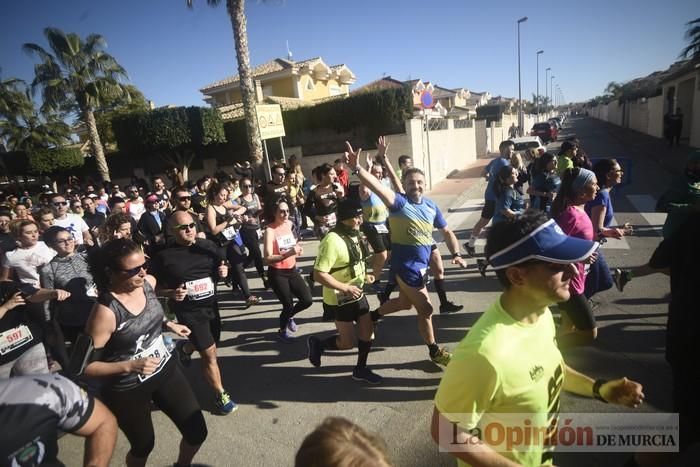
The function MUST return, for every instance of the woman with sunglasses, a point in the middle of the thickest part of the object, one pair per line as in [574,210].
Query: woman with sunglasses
[281,251]
[600,210]
[251,232]
[69,271]
[222,221]
[578,187]
[130,355]
[544,182]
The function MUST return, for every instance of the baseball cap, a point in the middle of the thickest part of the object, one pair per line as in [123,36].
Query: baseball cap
[546,243]
[348,209]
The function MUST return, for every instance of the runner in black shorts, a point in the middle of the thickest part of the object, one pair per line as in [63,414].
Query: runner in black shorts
[189,270]
[340,268]
[131,358]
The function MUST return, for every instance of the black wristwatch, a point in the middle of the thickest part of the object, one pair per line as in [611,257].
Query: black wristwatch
[356,171]
[456,255]
[596,389]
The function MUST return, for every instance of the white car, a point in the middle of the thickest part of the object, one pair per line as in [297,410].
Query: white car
[528,142]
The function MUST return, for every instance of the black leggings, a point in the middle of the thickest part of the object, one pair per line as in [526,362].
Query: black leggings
[236,272]
[252,243]
[285,283]
[173,395]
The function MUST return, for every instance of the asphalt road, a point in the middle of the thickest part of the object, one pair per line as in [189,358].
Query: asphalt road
[282,397]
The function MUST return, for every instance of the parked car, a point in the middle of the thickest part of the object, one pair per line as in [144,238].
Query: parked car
[545,130]
[528,142]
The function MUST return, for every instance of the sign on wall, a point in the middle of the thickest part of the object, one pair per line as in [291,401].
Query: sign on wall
[270,121]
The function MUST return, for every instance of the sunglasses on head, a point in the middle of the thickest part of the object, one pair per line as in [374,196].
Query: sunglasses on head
[191,225]
[133,271]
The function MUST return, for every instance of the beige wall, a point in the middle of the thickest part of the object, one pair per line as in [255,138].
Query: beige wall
[655,116]
[283,87]
[321,88]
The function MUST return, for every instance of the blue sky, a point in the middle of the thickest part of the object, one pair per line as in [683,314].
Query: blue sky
[170,51]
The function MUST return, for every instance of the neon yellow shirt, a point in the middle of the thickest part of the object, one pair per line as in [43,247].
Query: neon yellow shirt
[564,163]
[501,367]
[333,254]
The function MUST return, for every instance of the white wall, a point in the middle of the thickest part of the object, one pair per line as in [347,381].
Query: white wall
[655,116]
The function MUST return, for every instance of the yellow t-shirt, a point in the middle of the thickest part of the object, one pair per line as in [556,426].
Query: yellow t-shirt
[564,163]
[333,254]
[502,367]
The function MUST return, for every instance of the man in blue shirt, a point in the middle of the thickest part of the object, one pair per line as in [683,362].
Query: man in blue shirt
[412,218]
[506,149]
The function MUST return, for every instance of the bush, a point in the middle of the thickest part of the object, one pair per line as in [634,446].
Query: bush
[48,161]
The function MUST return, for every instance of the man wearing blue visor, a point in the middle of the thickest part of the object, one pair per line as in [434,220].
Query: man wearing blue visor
[509,362]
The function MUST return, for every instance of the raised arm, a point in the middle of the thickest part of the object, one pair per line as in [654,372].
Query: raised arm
[382,146]
[370,181]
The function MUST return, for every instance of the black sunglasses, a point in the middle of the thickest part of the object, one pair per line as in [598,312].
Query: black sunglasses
[185,226]
[246,186]
[60,203]
[133,271]
[184,198]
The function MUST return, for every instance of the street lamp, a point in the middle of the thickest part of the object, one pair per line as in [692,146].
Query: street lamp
[551,88]
[546,90]
[520,96]
[538,83]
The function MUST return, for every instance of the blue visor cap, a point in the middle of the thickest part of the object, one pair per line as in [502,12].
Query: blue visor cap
[546,243]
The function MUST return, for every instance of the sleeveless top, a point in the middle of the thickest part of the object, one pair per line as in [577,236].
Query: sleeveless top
[226,235]
[374,210]
[136,336]
[282,242]
[252,210]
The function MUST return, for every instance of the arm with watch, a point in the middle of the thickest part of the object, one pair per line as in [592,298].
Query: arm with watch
[621,391]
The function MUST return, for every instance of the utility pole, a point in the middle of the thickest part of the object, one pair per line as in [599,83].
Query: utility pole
[546,91]
[538,83]
[520,94]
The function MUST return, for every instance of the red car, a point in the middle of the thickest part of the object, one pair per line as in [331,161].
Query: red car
[546,131]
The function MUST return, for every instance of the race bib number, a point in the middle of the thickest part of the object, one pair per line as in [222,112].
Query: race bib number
[200,289]
[14,338]
[330,219]
[381,228]
[229,232]
[157,349]
[286,242]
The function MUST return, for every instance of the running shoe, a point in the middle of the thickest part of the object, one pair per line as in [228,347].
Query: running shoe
[366,375]
[471,251]
[482,264]
[442,357]
[292,325]
[252,300]
[450,307]
[225,404]
[621,278]
[265,281]
[285,336]
[315,351]
[184,357]
[382,297]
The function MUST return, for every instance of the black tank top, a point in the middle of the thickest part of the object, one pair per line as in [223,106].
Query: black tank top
[136,336]
[252,210]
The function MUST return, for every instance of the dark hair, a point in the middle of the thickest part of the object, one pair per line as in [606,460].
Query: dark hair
[337,442]
[323,169]
[42,212]
[504,144]
[104,261]
[4,213]
[54,196]
[500,184]
[113,221]
[503,234]
[278,166]
[51,233]
[602,168]
[411,171]
[177,189]
[542,162]
[215,188]
[566,146]
[18,224]
[402,159]
[114,200]
[566,193]
[270,208]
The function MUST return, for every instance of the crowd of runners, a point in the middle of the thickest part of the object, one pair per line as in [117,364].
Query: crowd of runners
[96,279]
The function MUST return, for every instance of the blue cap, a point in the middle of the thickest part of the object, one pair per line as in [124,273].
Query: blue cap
[546,243]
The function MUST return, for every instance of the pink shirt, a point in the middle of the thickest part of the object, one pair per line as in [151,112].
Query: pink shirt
[282,242]
[576,223]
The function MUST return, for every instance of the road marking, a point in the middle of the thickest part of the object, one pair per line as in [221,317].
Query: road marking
[646,206]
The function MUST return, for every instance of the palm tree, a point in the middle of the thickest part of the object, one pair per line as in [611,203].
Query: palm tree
[22,128]
[236,12]
[692,34]
[614,89]
[75,78]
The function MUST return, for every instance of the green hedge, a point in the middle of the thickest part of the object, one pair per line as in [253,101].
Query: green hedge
[48,161]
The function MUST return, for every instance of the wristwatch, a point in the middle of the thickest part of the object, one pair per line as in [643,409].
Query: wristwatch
[596,389]
[456,255]
[356,171]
